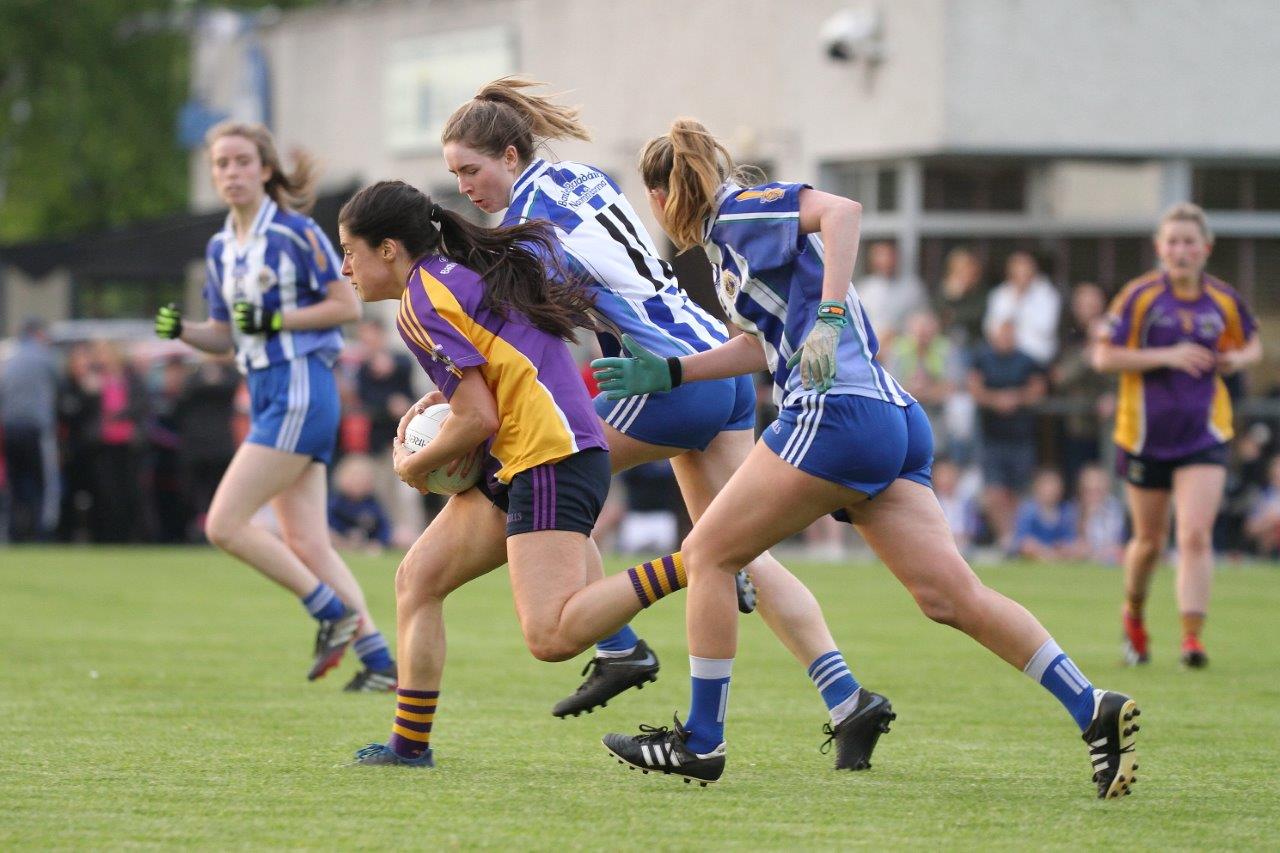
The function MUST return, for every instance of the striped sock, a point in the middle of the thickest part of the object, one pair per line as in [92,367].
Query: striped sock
[836,683]
[710,677]
[1054,671]
[658,578]
[411,732]
[618,644]
[323,603]
[373,652]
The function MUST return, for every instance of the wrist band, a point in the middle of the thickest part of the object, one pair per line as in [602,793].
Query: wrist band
[833,312]
[677,372]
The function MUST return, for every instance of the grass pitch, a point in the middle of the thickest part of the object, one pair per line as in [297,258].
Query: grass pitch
[156,698]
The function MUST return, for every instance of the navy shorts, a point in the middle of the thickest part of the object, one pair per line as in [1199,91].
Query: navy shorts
[565,495]
[1147,473]
[295,407]
[689,417]
[860,443]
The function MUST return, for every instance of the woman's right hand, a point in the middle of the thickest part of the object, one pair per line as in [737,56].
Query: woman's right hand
[1190,358]
[428,400]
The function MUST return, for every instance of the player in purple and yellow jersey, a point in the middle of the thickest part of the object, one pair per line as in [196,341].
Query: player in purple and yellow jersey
[277,299]
[494,344]
[1173,334]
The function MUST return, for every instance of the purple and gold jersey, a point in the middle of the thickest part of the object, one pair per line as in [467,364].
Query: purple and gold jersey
[1164,413]
[544,411]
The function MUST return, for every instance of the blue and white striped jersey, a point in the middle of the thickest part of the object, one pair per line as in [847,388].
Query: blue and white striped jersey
[286,262]
[769,281]
[604,240]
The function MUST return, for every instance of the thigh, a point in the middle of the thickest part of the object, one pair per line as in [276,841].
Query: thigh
[703,473]
[1148,511]
[1197,495]
[255,476]
[465,540]
[546,568]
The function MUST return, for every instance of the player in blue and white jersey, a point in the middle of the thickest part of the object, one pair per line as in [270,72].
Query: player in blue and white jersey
[848,440]
[276,297]
[706,430]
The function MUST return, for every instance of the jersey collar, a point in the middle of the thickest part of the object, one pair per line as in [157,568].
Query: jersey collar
[531,173]
[261,219]
[726,189]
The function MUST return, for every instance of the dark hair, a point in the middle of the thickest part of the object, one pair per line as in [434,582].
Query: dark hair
[519,264]
[502,114]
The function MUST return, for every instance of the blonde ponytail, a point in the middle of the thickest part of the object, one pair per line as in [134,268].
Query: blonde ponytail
[690,165]
[503,114]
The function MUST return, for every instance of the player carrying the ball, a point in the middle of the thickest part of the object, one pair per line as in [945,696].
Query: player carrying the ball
[275,295]
[849,440]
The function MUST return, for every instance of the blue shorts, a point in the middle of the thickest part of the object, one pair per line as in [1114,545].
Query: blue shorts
[857,442]
[295,408]
[690,417]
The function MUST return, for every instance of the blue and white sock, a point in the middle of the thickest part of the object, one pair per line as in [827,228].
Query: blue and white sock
[618,645]
[1053,670]
[323,603]
[373,652]
[710,701]
[836,683]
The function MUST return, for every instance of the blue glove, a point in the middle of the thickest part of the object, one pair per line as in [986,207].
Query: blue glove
[644,373]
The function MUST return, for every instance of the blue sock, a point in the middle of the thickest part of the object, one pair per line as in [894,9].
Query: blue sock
[705,723]
[323,603]
[835,682]
[1056,673]
[619,643]
[373,652]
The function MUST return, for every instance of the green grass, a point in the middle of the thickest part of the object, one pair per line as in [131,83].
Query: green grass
[156,698]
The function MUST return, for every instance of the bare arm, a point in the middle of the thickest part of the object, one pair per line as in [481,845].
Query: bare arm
[1186,356]
[473,417]
[211,336]
[1238,359]
[839,221]
[737,356]
[340,305]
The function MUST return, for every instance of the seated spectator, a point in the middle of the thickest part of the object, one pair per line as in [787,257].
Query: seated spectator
[957,504]
[1046,528]
[1031,303]
[1101,516]
[888,298]
[1005,383]
[1262,527]
[356,519]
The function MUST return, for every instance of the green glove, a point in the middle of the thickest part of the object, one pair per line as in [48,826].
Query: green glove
[644,373]
[254,319]
[817,355]
[169,322]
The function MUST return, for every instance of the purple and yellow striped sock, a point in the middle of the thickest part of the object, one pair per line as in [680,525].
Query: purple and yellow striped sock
[658,578]
[411,732]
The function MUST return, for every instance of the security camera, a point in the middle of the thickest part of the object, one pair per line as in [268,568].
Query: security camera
[853,34]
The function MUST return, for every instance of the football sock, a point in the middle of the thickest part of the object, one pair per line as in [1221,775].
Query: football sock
[836,683]
[411,732]
[705,723]
[1054,671]
[1192,625]
[323,603]
[373,652]
[617,645]
[658,578]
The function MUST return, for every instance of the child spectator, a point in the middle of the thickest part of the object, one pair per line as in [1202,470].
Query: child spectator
[1046,528]
[356,519]
[1101,517]
[1262,527]
[959,508]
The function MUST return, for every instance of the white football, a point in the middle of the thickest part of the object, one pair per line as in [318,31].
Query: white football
[457,476]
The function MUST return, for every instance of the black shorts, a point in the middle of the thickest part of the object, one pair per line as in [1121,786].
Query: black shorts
[1147,473]
[564,495]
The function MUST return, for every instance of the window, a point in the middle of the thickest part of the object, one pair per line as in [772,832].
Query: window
[975,187]
[1221,188]
[873,186]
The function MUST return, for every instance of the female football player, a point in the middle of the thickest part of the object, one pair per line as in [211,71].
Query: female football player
[488,323]
[848,440]
[706,430]
[1174,331]
[275,295]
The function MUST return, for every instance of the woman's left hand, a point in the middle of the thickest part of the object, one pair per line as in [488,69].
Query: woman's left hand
[1230,362]
[817,356]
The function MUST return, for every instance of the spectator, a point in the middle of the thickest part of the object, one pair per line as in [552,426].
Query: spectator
[651,523]
[77,413]
[1101,516]
[1005,383]
[888,297]
[28,415]
[923,361]
[116,441]
[203,417]
[1091,394]
[960,302]
[1262,527]
[957,505]
[1046,528]
[1031,303]
[384,385]
[169,509]
[356,519]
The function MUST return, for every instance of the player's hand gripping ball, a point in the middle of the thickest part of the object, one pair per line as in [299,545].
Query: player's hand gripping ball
[457,476]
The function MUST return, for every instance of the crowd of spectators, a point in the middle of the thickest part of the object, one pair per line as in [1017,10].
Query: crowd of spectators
[126,442]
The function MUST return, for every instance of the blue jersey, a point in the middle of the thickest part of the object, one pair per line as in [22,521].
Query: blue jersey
[285,263]
[605,242]
[769,281]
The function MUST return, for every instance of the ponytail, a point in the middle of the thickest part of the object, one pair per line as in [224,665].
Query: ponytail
[503,115]
[295,190]
[512,261]
[690,165]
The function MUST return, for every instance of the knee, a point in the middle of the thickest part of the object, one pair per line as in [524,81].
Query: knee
[1147,546]
[549,647]
[1194,541]
[418,582]
[220,531]
[701,555]
[948,604]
